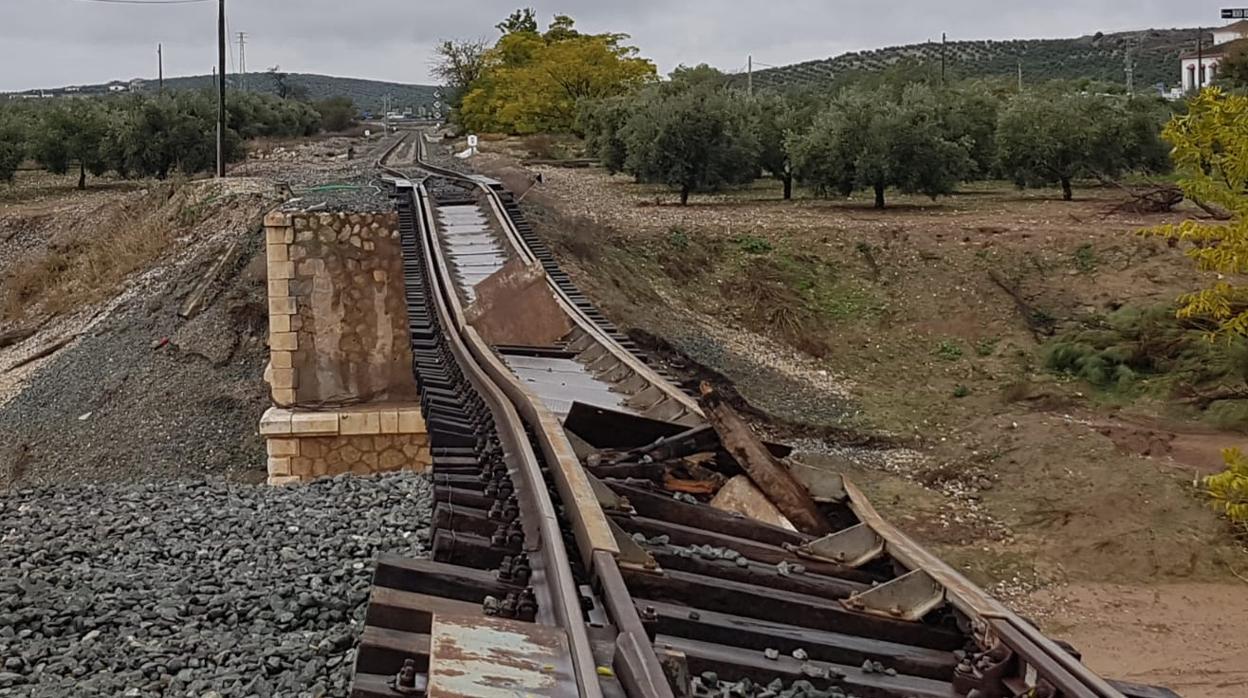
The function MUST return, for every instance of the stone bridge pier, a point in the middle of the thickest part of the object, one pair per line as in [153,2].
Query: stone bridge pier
[340,367]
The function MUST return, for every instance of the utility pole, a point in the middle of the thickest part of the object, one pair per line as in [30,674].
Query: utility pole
[943,38]
[160,67]
[749,75]
[242,60]
[221,88]
[1200,59]
[1130,74]
[1020,76]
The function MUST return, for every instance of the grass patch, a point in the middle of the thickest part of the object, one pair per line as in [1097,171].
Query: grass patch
[1085,258]
[91,267]
[752,244]
[948,350]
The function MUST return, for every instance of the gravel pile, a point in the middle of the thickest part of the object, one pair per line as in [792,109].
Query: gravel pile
[195,589]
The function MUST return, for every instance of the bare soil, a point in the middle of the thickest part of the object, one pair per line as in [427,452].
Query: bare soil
[102,379]
[844,326]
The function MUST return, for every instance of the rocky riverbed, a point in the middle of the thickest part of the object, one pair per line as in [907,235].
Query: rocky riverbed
[196,589]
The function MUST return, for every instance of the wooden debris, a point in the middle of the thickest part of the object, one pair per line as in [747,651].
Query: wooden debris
[16,336]
[44,351]
[768,473]
[196,301]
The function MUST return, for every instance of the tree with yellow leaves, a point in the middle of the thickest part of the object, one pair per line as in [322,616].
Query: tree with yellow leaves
[532,82]
[1211,154]
[1229,490]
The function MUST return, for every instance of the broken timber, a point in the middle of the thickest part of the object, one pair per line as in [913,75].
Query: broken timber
[769,474]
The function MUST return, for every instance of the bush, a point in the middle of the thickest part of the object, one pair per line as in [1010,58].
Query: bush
[337,113]
[1131,345]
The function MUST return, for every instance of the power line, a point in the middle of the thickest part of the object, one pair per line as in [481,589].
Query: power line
[147,2]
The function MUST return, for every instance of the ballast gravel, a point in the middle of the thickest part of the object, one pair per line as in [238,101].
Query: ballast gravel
[207,589]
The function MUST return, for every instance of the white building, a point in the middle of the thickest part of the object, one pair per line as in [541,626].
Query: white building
[1200,68]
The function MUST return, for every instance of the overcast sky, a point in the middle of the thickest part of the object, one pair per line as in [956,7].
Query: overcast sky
[50,43]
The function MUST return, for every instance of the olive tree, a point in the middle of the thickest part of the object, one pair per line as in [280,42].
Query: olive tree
[697,139]
[12,145]
[776,117]
[72,134]
[1055,139]
[865,141]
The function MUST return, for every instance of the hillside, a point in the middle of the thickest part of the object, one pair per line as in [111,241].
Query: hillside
[1099,57]
[369,95]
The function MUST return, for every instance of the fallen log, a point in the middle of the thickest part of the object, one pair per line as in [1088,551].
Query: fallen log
[764,470]
[1040,323]
[11,337]
[44,351]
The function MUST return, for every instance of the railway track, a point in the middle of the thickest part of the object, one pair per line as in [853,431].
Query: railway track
[574,553]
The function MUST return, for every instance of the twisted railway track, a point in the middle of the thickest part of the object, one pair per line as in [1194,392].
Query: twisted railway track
[563,564]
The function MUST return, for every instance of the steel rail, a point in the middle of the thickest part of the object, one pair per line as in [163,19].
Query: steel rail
[995,620]
[577,315]
[488,377]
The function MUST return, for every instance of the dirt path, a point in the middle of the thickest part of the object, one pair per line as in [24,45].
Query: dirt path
[1190,637]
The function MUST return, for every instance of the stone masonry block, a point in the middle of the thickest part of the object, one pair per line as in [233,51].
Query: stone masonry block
[411,421]
[283,306]
[283,448]
[279,287]
[281,270]
[275,421]
[282,480]
[314,423]
[284,378]
[353,423]
[284,341]
[389,421]
[277,219]
[282,359]
[280,323]
[279,466]
[278,253]
[284,396]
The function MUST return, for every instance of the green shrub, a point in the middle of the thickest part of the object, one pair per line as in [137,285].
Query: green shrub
[948,350]
[752,244]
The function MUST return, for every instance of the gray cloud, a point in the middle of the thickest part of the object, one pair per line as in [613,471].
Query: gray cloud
[47,43]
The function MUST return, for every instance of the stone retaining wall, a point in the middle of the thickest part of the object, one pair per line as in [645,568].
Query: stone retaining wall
[304,445]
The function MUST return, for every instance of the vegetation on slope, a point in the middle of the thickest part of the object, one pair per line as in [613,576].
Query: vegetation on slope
[1099,58]
[368,95]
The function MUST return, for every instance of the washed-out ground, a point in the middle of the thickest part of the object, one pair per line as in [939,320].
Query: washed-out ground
[101,378]
[887,344]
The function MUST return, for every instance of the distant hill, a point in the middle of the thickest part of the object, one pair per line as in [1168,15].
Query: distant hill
[369,95]
[1099,57]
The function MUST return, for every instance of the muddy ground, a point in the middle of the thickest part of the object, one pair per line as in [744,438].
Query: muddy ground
[846,326]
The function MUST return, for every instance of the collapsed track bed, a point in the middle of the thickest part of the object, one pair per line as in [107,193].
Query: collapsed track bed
[580,491]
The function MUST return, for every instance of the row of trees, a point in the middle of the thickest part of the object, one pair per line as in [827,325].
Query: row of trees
[151,136]
[696,133]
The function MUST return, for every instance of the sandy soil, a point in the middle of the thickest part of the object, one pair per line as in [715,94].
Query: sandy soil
[1041,491]
[1188,636]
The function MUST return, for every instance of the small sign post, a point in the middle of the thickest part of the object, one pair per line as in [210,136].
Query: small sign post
[472,143]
